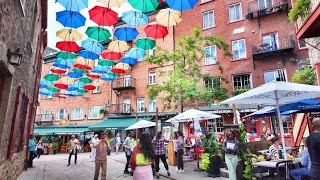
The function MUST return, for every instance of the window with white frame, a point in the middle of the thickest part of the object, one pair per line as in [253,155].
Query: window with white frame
[242,81]
[46,115]
[286,122]
[212,82]
[275,75]
[152,105]
[239,49]
[270,42]
[140,105]
[302,44]
[208,20]
[152,52]
[126,106]
[210,55]
[61,114]
[77,114]
[152,77]
[235,12]
[97,90]
[127,81]
[264,4]
[94,112]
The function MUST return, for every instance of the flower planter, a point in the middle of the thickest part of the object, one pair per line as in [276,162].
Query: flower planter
[214,167]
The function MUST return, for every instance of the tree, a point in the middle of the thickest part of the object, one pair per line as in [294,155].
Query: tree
[183,71]
[305,76]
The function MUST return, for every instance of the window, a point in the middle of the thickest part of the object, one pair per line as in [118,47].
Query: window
[46,115]
[77,114]
[242,81]
[239,49]
[286,121]
[235,12]
[264,4]
[208,19]
[302,44]
[61,114]
[211,55]
[126,106]
[270,42]
[152,105]
[212,83]
[140,105]
[152,52]
[94,112]
[127,81]
[152,77]
[217,124]
[276,75]
[97,90]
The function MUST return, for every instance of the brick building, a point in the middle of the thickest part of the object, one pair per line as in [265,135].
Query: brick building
[23,39]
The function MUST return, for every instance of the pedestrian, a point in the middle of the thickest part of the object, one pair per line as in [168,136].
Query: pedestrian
[305,162]
[142,157]
[231,149]
[39,148]
[175,144]
[159,146]
[117,142]
[93,149]
[73,149]
[101,147]
[31,149]
[313,143]
[128,144]
[180,146]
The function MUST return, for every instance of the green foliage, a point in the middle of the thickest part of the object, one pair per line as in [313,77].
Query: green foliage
[54,146]
[102,111]
[300,9]
[244,153]
[205,161]
[240,91]
[210,144]
[305,76]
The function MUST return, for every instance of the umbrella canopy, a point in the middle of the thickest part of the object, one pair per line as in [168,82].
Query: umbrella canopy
[82,63]
[73,93]
[89,87]
[260,113]
[58,70]
[88,55]
[156,31]
[118,46]
[136,53]
[100,69]
[75,86]
[145,43]
[66,55]
[45,84]
[70,19]
[46,92]
[103,16]
[105,62]
[141,124]
[192,115]
[135,18]
[63,63]
[85,80]
[73,5]
[122,66]
[126,33]
[113,74]
[129,60]
[53,89]
[81,90]
[94,75]
[112,3]
[144,5]
[111,55]
[51,77]
[68,46]
[98,33]
[107,77]
[92,46]
[181,5]
[118,71]
[81,71]
[168,17]
[68,34]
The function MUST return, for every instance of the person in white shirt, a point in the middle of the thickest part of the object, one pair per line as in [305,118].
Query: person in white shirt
[73,149]
[117,142]
[93,149]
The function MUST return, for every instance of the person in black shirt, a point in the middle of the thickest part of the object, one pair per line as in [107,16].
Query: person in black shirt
[313,142]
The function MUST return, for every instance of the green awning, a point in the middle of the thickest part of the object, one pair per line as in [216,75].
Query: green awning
[58,130]
[115,123]
[42,131]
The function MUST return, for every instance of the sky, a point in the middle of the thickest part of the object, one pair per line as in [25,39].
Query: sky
[54,26]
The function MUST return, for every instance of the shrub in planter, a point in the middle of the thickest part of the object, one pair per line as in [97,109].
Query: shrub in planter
[54,147]
[111,145]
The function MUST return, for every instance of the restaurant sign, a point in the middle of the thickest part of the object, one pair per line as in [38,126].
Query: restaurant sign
[225,111]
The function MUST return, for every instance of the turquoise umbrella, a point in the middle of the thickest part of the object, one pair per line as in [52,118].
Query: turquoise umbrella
[135,18]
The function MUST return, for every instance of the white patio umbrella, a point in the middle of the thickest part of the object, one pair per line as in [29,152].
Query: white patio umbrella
[141,124]
[276,93]
[192,115]
[261,112]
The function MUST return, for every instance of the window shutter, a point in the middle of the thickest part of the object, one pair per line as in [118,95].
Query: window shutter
[24,124]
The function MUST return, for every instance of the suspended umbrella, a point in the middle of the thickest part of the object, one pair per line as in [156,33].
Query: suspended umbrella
[94,75]
[92,46]
[73,93]
[53,89]
[88,55]
[81,90]
[46,92]
[60,94]
[145,43]
[60,85]
[75,86]
[45,84]
[66,55]
[118,71]
[126,33]
[113,74]
[97,82]
[82,63]
[51,77]
[58,70]
[69,34]
[103,16]
[111,55]
[105,62]
[74,5]
[168,17]
[63,63]
[89,87]
[81,71]
[156,31]
[112,3]
[144,5]
[70,19]
[98,33]
[63,83]
[100,69]
[123,66]
[85,80]
[107,77]
[118,46]
[135,18]
[181,5]
[73,74]
[136,53]
[68,46]
[129,60]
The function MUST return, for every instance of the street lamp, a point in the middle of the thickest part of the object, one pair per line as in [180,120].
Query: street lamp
[14,57]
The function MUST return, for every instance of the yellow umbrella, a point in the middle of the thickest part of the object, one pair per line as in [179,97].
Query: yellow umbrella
[123,66]
[83,64]
[67,34]
[168,17]
[97,82]
[112,3]
[118,46]
[66,80]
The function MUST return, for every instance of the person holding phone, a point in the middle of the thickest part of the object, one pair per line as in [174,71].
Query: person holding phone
[231,149]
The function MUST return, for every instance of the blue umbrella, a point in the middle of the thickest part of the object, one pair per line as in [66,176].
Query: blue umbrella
[181,5]
[63,63]
[88,55]
[73,93]
[46,92]
[107,77]
[135,18]
[100,69]
[136,53]
[129,60]
[73,74]
[74,5]
[45,84]
[92,46]
[126,33]
[70,19]
[75,86]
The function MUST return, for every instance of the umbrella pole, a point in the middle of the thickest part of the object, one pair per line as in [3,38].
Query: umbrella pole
[281,127]
[136,129]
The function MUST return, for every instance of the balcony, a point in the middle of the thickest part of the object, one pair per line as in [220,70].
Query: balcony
[123,84]
[277,46]
[308,26]
[44,118]
[120,109]
[257,8]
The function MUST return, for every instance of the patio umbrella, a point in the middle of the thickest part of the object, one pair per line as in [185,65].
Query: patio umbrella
[66,55]
[118,46]
[260,113]
[141,124]
[68,46]
[126,33]
[136,53]
[58,70]
[45,84]
[100,69]
[112,3]
[98,33]
[276,93]
[105,62]
[51,77]
[168,17]
[82,63]
[181,5]
[103,16]
[129,60]
[156,31]
[122,66]
[145,43]
[135,18]
[107,77]
[73,5]
[111,55]
[85,80]
[88,55]
[94,75]
[144,5]
[192,115]
[89,87]
[70,19]
[69,34]
[92,46]
[118,71]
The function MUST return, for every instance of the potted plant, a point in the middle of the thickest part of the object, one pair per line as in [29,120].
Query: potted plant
[244,167]
[111,144]
[54,147]
[240,91]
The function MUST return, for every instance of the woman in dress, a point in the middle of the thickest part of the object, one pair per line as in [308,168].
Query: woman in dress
[117,142]
[231,149]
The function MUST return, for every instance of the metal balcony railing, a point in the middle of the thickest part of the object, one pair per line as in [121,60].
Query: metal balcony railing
[120,109]
[263,7]
[124,83]
[313,5]
[44,118]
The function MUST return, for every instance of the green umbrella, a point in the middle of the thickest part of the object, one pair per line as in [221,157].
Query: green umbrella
[51,77]
[66,55]
[53,89]
[113,74]
[144,5]
[85,80]
[98,33]
[145,43]
[81,90]
[105,62]
[82,71]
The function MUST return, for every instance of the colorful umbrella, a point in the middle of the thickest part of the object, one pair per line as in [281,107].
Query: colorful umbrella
[68,46]
[118,71]
[68,34]
[63,83]
[73,74]
[100,69]
[73,93]
[92,46]
[136,53]
[46,92]
[82,63]
[112,3]
[81,71]
[60,85]
[181,5]
[70,19]
[145,43]
[111,55]
[88,55]
[107,77]
[135,18]
[103,16]
[105,62]
[123,66]
[81,90]
[113,74]
[58,70]
[168,17]
[156,31]
[126,33]
[118,46]
[144,5]
[129,60]
[45,84]
[89,87]
[94,75]
[75,86]
[63,63]
[66,55]
[74,5]
[98,33]
[51,77]
[53,89]
[85,80]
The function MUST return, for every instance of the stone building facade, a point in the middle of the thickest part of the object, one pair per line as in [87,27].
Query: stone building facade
[23,39]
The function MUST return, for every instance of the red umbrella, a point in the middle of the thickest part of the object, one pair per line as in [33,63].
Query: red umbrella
[156,31]
[111,55]
[94,75]
[162,1]
[89,87]
[118,71]
[68,46]
[61,85]
[103,16]
[57,70]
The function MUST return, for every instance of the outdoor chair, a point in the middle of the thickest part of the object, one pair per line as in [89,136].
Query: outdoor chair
[258,172]
[283,169]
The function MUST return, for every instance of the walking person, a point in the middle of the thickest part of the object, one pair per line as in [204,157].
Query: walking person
[180,147]
[73,150]
[31,149]
[117,142]
[175,144]
[128,144]
[159,146]
[142,157]
[101,147]
[93,149]
[39,149]
[313,143]
[231,149]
